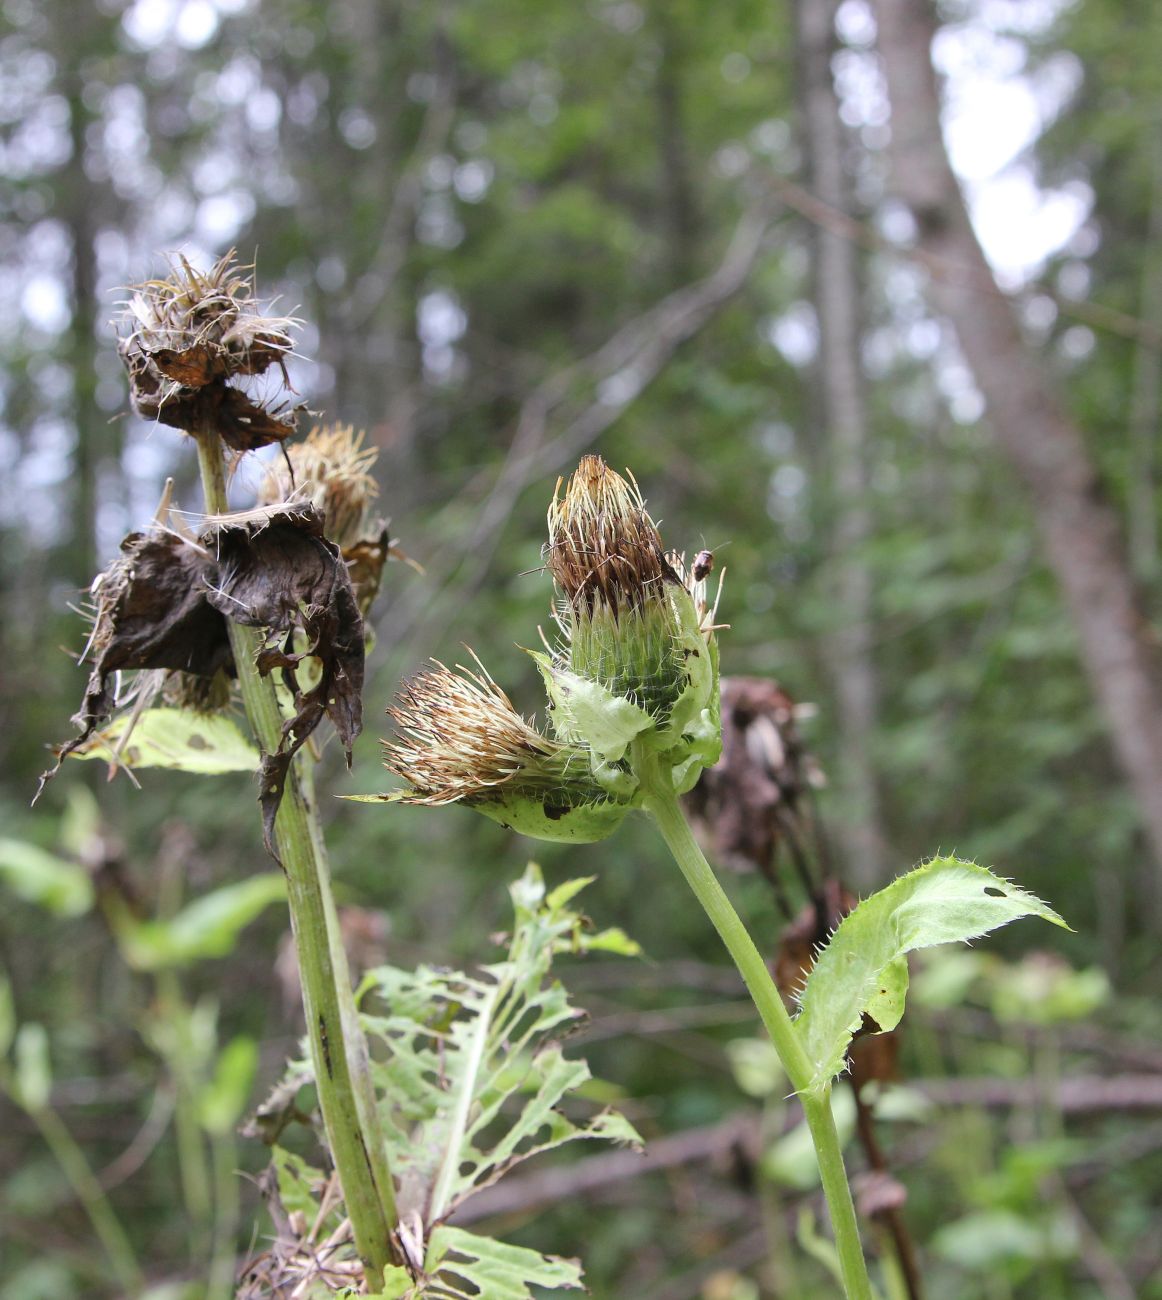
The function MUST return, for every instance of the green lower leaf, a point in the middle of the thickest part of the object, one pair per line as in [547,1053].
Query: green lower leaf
[33,1067]
[864,968]
[493,1268]
[205,744]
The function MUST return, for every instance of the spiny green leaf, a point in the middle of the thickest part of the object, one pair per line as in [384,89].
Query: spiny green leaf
[207,927]
[60,886]
[204,744]
[864,969]
[584,710]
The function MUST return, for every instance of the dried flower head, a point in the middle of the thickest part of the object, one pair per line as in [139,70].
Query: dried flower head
[603,547]
[184,338]
[459,740]
[332,468]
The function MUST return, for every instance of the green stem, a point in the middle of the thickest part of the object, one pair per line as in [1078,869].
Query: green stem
[89,1192]
[662,804]
[360,1162]
[192,1171]
[220,1281]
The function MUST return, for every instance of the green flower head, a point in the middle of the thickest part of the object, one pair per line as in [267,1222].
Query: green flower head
[638,665]
[635,678]
[459,740]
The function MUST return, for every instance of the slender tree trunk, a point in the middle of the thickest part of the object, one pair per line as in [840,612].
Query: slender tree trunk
[77,202]
[1144,402]
[1079,530]
[837,305]
[680,213]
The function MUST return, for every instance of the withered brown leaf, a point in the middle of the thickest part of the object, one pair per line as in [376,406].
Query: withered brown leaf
[166,601]
[273,568]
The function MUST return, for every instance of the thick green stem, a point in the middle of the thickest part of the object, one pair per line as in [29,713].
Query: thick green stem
[662,804]
[339,1064]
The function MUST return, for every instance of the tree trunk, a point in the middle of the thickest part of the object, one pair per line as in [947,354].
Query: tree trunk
[1079,530]
[841,390]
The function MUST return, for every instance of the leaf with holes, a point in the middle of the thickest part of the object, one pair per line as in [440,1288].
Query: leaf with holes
[473,1078]
[863,970]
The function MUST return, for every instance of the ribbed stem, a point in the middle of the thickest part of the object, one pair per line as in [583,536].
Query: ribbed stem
[337,1052]
[662,804]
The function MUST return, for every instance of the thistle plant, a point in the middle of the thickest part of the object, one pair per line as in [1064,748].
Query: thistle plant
[265,598]
[634,715]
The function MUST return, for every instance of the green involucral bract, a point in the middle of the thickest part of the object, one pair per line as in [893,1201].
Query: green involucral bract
[615,687]
[554,817]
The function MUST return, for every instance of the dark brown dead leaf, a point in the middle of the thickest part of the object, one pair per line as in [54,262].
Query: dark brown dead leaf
[166,602]
[274,569]
[151,612]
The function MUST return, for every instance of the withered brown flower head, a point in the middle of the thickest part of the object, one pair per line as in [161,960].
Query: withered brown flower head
[185,337]
[459,738]
[603,547]
[332,468]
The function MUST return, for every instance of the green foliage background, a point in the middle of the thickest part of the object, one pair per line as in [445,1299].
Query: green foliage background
[461,201]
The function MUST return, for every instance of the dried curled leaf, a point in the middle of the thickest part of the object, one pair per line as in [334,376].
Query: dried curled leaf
[167,600]
[274,569]
[151,612]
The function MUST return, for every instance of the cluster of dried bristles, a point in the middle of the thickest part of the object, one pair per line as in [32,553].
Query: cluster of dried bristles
[603,547]
[459,737]
[185,338]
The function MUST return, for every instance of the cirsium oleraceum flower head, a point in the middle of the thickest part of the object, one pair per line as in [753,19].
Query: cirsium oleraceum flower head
[638,665]
[634,683]
[459,740]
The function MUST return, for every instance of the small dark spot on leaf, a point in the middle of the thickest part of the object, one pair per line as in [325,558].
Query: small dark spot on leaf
[554,812]
[994,892]
[198,741]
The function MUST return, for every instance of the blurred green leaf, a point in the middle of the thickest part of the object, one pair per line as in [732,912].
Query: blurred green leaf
[207,927]
[39,877]
[204,744]
[791,1160]
[988,1239]
[7,1016]
[756,1066]
[33,1067]
[224,1098]
[298,1183]
[80,825]
[1044,990]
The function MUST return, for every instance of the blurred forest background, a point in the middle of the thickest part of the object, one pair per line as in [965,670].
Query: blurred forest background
[723,245]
